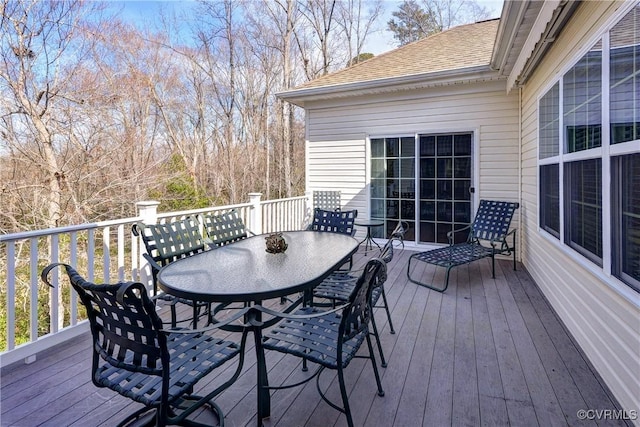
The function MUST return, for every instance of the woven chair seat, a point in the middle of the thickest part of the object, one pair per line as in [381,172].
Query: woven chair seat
[458,254]
[340,285]
[192,358]
[315,339]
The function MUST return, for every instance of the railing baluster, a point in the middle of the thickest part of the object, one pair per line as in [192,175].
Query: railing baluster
[91,251]
[106,254]
[73,260]
[56,300]
[121,245]
[33,278]
[11,295]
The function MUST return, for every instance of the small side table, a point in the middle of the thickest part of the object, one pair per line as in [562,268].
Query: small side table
[368,240]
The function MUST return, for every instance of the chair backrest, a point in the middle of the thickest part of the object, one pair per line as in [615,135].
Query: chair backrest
[357,313]
[125,328]
[334,221]
[168,242]
[326,199]
[492,220]
[400,230]
[224,228]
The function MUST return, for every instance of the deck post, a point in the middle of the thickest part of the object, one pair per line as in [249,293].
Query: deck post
[148,213]
[255,214]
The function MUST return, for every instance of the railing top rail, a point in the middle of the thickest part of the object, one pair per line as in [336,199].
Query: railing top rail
[203,210]
[267,202]
[67,229]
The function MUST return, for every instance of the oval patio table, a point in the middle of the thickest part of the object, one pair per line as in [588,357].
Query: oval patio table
[245,272]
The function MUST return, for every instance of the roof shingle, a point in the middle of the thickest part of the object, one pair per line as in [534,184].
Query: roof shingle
[460,47]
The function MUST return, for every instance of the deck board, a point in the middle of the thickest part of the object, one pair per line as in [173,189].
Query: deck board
[486,352]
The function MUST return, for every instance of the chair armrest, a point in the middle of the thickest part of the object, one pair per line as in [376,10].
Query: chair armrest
[154,265]
[503,241]
[450,234]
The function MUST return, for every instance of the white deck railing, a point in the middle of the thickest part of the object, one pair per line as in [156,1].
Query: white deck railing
[103,251]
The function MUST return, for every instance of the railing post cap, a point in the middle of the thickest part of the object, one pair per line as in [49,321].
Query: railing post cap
[145,203]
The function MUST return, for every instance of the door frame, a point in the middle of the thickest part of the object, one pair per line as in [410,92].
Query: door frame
[475,164]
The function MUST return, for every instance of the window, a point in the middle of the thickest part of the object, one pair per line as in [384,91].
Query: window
[574,184]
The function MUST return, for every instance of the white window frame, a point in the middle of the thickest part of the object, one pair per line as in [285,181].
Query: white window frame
[605,153]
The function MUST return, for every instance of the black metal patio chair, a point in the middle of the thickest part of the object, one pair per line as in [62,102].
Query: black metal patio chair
[339,286]
[491,225]
[224,228]
[331,338]
[337,221]
[166,243]
[135,357]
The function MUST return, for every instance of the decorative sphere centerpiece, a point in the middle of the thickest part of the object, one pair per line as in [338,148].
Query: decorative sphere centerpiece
[276,243]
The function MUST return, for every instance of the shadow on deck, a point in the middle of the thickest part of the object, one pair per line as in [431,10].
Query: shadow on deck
[486,352]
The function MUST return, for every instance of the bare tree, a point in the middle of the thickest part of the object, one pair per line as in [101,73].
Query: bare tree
[36,38]
[357,19]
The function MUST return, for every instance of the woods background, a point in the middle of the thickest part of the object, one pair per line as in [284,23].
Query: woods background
[97,113]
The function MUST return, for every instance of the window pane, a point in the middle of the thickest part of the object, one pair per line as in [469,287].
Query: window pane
[583,207]
[393,147]
[445,145]
[550,199]
[408,168]
[393,168]
[445,168]
[377,168]
[462,167]
[427,189]
[407,147]
[549,120]
[377,188]
[407,209]
[408,189]
[428,211]
[624,78]
[582,95]
[462,144]
[627,214]
[427,145]
[377,208]
[377,147]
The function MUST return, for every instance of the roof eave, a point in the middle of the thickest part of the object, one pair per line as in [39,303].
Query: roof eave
[510,20]
[393,84]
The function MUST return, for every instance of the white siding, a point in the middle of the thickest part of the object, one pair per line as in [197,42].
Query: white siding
[602,315]
[337,153]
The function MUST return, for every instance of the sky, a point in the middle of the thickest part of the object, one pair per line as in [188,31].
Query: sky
[147,11]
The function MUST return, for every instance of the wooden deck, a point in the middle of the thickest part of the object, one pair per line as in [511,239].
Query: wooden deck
[486,352]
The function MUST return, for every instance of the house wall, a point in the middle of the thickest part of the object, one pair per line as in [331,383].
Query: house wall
[337,152]
[602,313]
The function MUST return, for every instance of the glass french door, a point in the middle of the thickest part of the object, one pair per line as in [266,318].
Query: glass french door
[445,185]
[439,167]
